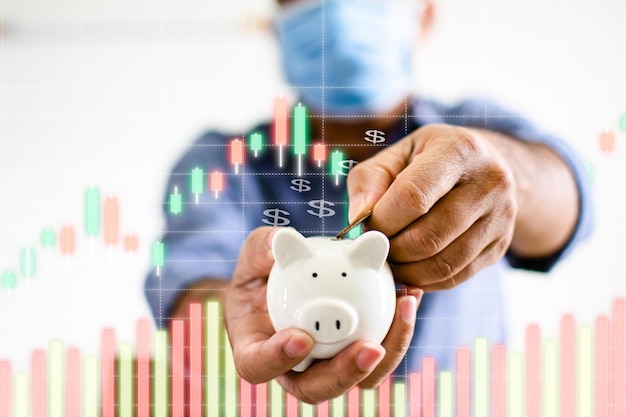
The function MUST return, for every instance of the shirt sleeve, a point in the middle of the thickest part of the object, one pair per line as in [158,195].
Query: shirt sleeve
[205,238]
[485,114]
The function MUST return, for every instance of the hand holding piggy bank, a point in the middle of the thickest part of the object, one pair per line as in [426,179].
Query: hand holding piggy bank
[338,291]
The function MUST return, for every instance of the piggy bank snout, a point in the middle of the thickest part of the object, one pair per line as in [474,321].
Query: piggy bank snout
[328,320]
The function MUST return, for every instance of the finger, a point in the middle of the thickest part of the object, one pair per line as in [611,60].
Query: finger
[454,214]
[370,179]
[260,358]
[490,256]
[430,175]
[398,339]
[452,259]
[331,378]
[255,259]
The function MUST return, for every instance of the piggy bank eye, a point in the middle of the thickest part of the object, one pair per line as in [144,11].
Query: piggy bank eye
[314,275]
[343,274]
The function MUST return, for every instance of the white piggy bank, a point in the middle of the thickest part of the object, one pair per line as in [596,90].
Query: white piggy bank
[338,291]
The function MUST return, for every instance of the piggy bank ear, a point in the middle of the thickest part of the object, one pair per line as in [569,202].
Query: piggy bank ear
[289,245]
[370,250]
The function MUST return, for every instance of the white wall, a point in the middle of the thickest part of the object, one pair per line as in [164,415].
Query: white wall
[108,93]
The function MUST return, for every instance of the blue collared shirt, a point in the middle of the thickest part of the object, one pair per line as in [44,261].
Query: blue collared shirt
[204,240]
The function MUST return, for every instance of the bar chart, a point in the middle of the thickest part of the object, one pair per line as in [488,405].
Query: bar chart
[102,221]
[188,370]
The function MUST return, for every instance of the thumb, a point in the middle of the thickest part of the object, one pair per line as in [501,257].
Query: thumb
[370,179]
[255,258]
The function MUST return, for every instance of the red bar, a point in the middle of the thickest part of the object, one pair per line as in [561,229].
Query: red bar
[178,368]
[498,381]
[384,398]
[463,378]
[354,402]
[602,366]
[195,360]
[236,152]
[245,398]
[131,243]
[73,383]
[533,371]
[67,240]
[216,182]
[568,366]
[619,357]
[281,127]
[111,214]
[292,405]
[260,403]
[607,141]
[319,152]
[108,372]
[323,409]
[143,368]
[415,389]
[5,388]
[428,387]
[38,384]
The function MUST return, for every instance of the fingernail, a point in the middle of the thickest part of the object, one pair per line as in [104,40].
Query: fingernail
[297,346]
[408,308]
[418,293]
[369,357]
[356,205]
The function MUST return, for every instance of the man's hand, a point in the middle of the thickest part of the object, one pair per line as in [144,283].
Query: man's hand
[447,197]
[260,354]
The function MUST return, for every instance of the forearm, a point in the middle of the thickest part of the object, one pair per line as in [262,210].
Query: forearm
[547,196]
[200,292]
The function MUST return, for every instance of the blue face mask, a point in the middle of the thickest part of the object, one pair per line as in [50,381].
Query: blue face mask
[349,56]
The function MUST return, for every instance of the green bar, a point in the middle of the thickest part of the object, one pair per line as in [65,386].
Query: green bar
[48,238]
[480,377]
[276,399]
[515,394]
[92,406]
[160,382]
[585,372]
[197,180]
[368,403]
[9,280]
[256,142]
[158,254]
[622,122]
[92,211]
[590,170]
[56,380]
[338,406]
[335,163]
[399,399]
[550,379]
[307,410]
[355,232]
[27,264]
[21,398]
[445,394]
[125,384]
[176,203]
[212,358]
[231,388]
[299,130]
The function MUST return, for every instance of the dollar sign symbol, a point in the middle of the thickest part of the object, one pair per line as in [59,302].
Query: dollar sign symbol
[300,185]
[322,210]
[347,164]
[375,136]
[276,217]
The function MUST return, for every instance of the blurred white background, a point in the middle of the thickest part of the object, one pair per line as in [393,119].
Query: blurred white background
[108,93]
